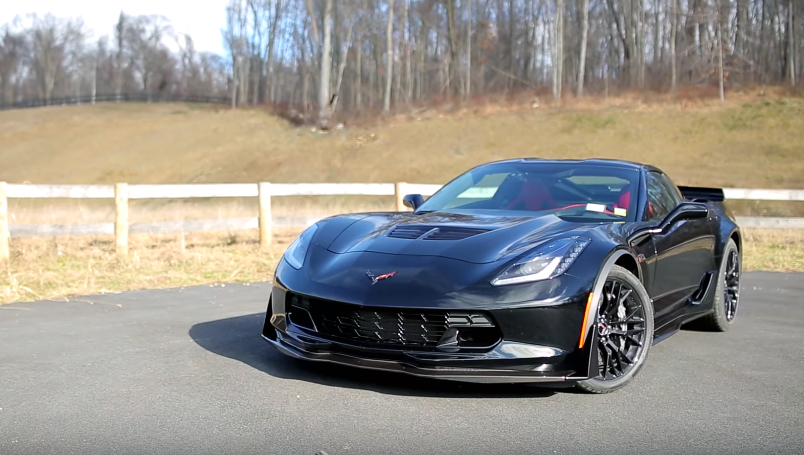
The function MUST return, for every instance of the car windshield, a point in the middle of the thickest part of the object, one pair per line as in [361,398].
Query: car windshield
[573,191]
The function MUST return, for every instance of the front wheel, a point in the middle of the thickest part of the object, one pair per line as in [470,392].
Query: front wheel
[623,332]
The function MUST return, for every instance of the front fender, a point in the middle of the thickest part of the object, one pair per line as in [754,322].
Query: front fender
[586,341]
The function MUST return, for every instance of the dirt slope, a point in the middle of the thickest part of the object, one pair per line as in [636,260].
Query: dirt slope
[754,144]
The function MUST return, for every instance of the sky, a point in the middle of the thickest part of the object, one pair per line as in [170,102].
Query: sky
[202,20]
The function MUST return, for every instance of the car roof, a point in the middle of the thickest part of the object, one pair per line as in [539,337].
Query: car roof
[590,161]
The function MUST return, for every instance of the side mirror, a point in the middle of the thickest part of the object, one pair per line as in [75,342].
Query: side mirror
[413,201]
[683,211]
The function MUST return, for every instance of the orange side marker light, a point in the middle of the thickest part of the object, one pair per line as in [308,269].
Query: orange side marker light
[585,320]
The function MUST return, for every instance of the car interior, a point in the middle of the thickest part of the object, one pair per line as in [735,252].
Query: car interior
[541,192]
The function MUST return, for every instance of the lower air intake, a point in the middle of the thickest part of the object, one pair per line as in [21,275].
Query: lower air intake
[391,327]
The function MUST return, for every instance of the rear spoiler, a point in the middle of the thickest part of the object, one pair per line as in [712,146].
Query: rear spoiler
[702,194]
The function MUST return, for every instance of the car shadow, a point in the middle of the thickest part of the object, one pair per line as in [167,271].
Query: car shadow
[238,338]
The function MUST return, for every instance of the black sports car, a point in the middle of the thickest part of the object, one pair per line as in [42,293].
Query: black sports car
[527,270]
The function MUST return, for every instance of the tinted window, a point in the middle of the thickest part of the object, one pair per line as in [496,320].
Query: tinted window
[578,192]
[484,189]
[662,196]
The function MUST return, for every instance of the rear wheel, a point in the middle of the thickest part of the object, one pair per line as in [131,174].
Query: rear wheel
[623,332]
[727,293]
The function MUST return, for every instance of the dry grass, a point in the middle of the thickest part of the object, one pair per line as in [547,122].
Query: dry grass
[750,141]
[753,144]
[58,268]
[61,268]
[773,250]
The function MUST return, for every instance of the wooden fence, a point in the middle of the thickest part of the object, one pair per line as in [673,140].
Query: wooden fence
[123,97]
[122,193]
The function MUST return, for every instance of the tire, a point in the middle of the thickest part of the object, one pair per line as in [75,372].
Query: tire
[635,314]
[728,284]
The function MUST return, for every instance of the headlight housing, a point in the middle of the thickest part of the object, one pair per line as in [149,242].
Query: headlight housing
[548,261]
[297,250]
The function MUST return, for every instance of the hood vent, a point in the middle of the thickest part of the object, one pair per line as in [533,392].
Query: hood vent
[409,232]
[434,233]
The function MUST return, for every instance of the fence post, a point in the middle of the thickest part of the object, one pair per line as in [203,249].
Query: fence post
[4,231]
[399,192]
[121,219]
[264,190]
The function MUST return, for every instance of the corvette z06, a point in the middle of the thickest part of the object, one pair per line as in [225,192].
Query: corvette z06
[525,270]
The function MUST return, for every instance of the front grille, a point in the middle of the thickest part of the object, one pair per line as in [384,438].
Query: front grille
[391,327]
[433,233]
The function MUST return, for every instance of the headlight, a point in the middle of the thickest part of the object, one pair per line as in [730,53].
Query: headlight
[548,261]
[297,250]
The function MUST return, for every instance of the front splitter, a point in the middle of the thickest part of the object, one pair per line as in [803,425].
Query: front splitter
[475,375]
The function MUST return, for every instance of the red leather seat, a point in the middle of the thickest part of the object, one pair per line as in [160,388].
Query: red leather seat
[535,195]
[624,200]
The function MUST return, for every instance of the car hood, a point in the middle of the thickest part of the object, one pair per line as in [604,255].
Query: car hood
[472,238]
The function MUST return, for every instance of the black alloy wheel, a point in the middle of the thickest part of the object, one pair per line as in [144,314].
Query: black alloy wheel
[727,294]
[620,329]
[623,332]
[731,293]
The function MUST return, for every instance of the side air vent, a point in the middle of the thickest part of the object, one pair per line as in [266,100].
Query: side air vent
[433,233]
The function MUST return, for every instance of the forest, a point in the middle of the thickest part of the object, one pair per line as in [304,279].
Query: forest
[322,57]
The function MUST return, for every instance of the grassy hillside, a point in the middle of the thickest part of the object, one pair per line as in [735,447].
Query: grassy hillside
[750,144]
[754,143]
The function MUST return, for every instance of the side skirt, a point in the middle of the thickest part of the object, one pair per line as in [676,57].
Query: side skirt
[698,305]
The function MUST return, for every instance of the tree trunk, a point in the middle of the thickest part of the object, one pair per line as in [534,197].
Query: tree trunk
[408,54]
[673,38]
[468,90]
[341,67]
[582,58]
[421,86]
[233,94]
[359,71]
[639,41]
[511,44]
[314,22]
[94,79]
[558,50]
[269,63]
[389,57]
[118,82]
[326,63]
[452,40]
[720,88]
[791,50]
[657,37]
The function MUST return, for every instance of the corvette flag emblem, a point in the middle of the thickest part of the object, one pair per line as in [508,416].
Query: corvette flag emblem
[375,279]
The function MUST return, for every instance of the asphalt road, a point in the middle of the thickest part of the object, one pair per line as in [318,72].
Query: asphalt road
[185,372]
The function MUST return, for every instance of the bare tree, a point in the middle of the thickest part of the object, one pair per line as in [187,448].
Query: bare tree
[720,88]
[118,70]
[389,57]
[53,40]
[791,44]
[342,66]
[558,49]
[468,89]
[673,40]
[584,38]
[452,33]
[269,63]
[374,57]
[326,63]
